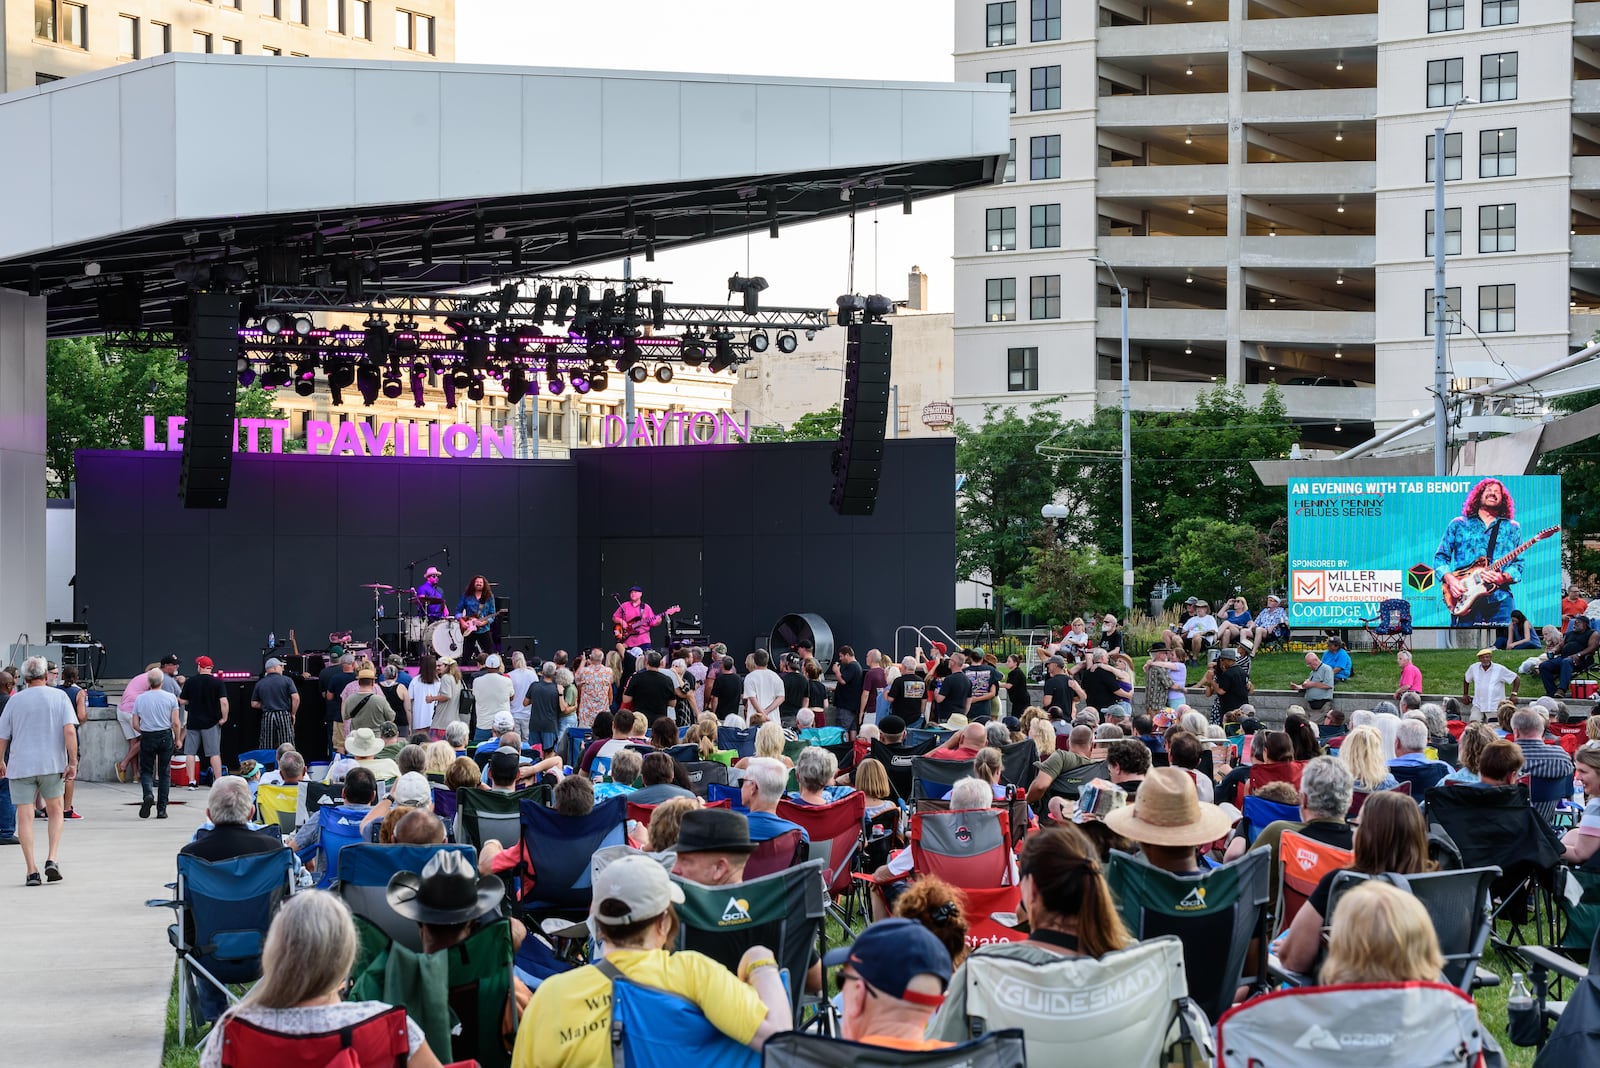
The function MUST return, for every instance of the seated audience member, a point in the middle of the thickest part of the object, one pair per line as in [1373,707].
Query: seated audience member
[411,792]
[1540,759]
[1127,764]
[1392,837]
[814,773]
[1475,738]
[361,747]
[439,755]
[572,797]
[1326,789]
[893,976]
[568,1022]
[964,744]
[967,794]
[389,732]
[1071,913]
[1078,752]
[419,827]
[713,846]
[762,788]
[1168,821]
[989,766]
[872,779]
[360,793]
[667,820]
[413,757]
[1500,765]
[503,724]
[305,963]
[275,776]
[1381,934]
[502,770]
[937,905]
[663,733]
[627,728]
[769,746]
[659,772]
[1183,751]
[1411,762]
[1583,841]
[1362,753]
[447,900]
[462,774]
[625,768]
[604,730]
[1302,736]
[456,735]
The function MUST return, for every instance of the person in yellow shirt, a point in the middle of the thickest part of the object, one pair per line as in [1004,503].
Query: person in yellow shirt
[568,1022]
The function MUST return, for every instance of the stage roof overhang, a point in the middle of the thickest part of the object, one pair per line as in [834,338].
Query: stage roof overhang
[444,175]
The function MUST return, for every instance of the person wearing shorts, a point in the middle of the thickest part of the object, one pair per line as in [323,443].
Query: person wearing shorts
[38,753]
[205,706]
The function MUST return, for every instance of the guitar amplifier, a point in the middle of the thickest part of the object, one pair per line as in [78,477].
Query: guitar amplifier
[525,644]
[305,664]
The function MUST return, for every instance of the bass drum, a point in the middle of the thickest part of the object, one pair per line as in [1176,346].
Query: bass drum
[445,639]
[798,626]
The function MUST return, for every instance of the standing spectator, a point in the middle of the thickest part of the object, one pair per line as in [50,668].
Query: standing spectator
[1230,685]
[80,709]
[985,680]
[594,681]
[1540,759]
[39,754]
[794,690]
[1317,688]
[366,706]
[1338,658]
[156,717]
[1016,685]
[279,703]
[129,764]
[907,692]
[874,683]
[522,676]
[544,709]
[1099,682]
[1410,676]
[8,811]
[205,706]
[847,677]
[725,690]
[333,681]
[1486,682]
[1166,678]
[395,689]
[816,690]
[763,689]
[492,689]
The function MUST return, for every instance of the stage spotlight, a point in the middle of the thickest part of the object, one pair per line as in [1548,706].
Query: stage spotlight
[273,325]
[664,373]
[368,383]
[563,303]
[391,385]
[658,309]
[693,349]
[639,372]
[554,384]
[630,355]
[277,375]
[541,305]
[305,378]
[460,377]
[811,335]
[302,325]
[417,383]
[475,389]
[448,384]
[724,358]
[599,379]
[580,383]
[759,341]
[608,306]
[787,342]
[751,288]
[516,384]
[247,376]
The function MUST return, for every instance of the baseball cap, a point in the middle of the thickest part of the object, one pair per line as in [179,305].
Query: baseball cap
[892,724]
[412,788]
[273,662]
[503,721]
[170,658]
[1192,600]
[891,953]
[202,661]
[504,764]
[635,589]
[642,885]
[492,661]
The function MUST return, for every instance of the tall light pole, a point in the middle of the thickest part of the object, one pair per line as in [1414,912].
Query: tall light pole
[1127,453]
[1441,371]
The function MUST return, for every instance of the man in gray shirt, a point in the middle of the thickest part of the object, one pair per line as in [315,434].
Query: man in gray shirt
[155,714]
[1318,687]
[38,753]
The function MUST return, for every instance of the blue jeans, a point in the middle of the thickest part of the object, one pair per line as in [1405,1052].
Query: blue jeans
[1562,666]
[8,811]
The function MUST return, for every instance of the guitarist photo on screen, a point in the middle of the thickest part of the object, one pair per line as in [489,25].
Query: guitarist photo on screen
[1476,591]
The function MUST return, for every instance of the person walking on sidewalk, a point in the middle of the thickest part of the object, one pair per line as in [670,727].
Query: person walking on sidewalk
[8,811]
[39,755]
[155,717]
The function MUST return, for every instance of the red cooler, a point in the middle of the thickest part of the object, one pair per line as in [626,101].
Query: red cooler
[185,770]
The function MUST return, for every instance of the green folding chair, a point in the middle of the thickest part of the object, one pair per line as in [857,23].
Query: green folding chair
[482,815]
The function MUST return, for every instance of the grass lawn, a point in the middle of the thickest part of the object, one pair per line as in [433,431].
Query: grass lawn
[172,1054]
[1441,669]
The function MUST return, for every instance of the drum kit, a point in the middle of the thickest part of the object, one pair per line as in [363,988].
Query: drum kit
[442,635]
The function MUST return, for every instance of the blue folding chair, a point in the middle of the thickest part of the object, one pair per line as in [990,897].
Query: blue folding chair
[267,758]
[223,911]
[444,804]
[600,768]
[1258,812]
[741,740]
[364,874]
[578,739]
[722,792]
[556,877]
[340,827]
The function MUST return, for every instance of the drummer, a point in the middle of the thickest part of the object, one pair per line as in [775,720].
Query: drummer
[430,595]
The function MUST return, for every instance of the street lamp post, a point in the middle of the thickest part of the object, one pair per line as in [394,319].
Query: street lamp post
[1127,453]
[1441,373]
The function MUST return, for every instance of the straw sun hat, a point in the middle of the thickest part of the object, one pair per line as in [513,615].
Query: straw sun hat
[1167,812]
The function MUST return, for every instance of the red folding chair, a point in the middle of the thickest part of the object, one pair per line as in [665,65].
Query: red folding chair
[1260,774]
[835,832]
[778,853]
[969,848]
[1302,862]
[980,907]
[642,813]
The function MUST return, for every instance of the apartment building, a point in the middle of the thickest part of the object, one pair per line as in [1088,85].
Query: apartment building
[48,39]
[1258,174]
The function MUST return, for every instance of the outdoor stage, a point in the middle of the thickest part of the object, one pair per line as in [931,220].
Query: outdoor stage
[739,535]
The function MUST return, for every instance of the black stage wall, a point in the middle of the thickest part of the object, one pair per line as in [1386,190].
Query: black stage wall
[741,534]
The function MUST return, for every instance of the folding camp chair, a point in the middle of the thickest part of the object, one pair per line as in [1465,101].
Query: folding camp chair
[1017,762]
[267,758]
[967,847]
[556,877]
[223,909]
[879,835]
[1069,783]
[922,735]
[704,773]
[778,853]
[935,778]
[718,793]
[461,997]
[1424,777]
[339,827]
[741,740]
[1390,628]
[578,739]
[1219,914]
[489,815]
[1576,1039]
[793,749]
[1260,774]
[835,833]
[782,911]
[683,754]
[1580,918]
[282,805]
[444,806]
[1258,812]
[1015,804]
[1363,1024]
[1055,1006]
[1302,862]
[364,874]
[797,1049]
[652,1028]
[320,794]
[381,1041]
[896,760]
[1359,798]
[991,914]
[824,736]
[1457,902]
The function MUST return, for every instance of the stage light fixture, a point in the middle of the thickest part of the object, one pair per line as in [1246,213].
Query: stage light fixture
[811,335]
[554,384]
[541,305]
[460,377]
[692,348]
[391,386]
[277,375]
[580,383]
[787,342]
[630,355]
[608,305]
[418,381]
[475,388]
[599,379]
[448,384]
[305,378]
[724,358]
[751,288]
[658,309]
[272,325]
[368,383]
[759,341]
[302,325]
[664,373]
[639,373]
[247,376]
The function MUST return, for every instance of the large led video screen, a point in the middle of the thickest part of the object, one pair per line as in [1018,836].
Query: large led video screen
[1462,551]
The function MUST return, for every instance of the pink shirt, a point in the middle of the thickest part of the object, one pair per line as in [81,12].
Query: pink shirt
[137,685]
[1411,678]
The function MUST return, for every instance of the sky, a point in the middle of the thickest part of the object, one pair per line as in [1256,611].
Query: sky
[906,40]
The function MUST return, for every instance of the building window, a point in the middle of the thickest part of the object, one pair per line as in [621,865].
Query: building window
[1452,311]
[1005,77]
[1044,226]
[1002,24]
[232,47]
[1044,296]
[1446,15]
[1452,232]
[294,11]
[415,32]
[1046,85]
[1022,370]
[229,3]
[1010,174]
[1497,77]
[61,23]
[552,421]
[1445,80]
[200,41]
[1001,227]
[1000,300]
[1046,157]
[1497,153]
[361,19]
[1046,20]
[163,35]
[1497,228]
[335,16]
[41,78]
[268,50]
[1500,12]
[1452,157]
[1497,309]
[128,36]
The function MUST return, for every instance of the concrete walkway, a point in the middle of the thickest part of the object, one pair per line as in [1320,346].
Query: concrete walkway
[88,966]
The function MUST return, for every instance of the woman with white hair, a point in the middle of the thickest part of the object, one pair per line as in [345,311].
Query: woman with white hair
[814,773]
[769,743]
[1387,725]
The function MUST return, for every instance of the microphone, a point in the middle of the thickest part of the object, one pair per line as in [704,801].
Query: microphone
[446,551]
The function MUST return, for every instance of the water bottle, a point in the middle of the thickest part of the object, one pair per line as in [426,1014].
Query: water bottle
[272,640]
[380,611]
[1523,1026]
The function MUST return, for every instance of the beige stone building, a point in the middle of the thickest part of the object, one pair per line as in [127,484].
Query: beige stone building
[49,39]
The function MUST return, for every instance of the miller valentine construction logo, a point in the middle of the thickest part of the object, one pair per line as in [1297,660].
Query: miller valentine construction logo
[1347,585]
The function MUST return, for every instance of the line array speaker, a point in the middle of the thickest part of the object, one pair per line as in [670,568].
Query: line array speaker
[858,461]
[210,400]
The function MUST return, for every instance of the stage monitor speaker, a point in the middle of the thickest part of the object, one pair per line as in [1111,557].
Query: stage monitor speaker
[858,461]
[209,400]
[525,644]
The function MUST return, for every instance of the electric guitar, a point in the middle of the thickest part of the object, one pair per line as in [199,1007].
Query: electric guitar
[472,623]
[642,625]
[1469,587]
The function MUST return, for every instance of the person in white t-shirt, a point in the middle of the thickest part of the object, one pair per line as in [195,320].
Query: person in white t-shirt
[763,689]
[1485,681]
[492,689]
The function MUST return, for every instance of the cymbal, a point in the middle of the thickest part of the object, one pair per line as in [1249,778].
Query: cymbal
[376,586]
[430,600]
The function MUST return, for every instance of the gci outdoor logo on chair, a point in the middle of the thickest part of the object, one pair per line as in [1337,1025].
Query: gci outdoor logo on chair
[1193,901]
[736,911]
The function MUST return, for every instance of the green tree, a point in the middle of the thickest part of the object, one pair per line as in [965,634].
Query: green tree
[813,426]
[1061,580]
[1579,467]
[96,397]
[1005,481]
[1216,559]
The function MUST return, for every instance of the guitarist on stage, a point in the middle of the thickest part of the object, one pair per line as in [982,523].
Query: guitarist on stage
[1483,531]
[475,610]
[632,622]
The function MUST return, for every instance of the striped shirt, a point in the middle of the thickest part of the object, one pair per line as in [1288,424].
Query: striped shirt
[1541,760]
